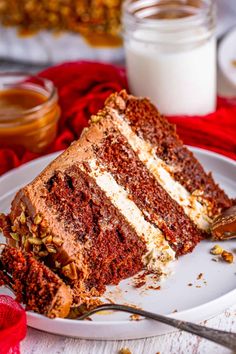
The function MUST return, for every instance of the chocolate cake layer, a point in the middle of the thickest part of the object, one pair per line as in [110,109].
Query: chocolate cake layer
[155,203]
[112,249]
[149,125]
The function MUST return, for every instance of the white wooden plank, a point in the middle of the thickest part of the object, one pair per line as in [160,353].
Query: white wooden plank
[38,342]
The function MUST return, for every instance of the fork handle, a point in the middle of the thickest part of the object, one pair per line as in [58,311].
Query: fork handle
[226,339]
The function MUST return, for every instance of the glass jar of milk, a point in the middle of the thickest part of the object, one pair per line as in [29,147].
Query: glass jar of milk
[171,53]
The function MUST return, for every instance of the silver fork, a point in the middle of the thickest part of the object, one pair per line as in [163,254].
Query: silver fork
[226,339]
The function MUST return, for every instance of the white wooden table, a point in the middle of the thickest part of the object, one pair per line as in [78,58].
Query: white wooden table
[38,342]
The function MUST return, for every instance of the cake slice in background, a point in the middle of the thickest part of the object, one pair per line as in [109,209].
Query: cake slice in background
[93,19]
[126,196]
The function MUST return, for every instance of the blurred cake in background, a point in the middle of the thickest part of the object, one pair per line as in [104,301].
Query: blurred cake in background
[97,20]
[49,31]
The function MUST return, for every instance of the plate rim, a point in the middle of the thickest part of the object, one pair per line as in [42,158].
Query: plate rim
[178,315]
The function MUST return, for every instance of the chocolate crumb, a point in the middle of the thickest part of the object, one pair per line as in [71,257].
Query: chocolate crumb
[200,275]
[135,317]
[151,287]
[227,256]
[139,284]
[190,284]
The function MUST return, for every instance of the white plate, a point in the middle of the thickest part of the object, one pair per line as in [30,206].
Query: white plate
[207,297]
[227,53]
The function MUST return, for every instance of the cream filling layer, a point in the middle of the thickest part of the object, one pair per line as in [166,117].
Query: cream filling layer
[159,253]
[196,211]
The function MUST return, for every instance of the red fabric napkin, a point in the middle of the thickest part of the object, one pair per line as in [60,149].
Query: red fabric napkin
[83,87]
[216,131]
[12,325]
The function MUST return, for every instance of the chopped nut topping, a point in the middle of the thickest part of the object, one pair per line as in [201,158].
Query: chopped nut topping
[227,256]
[37,219]
[43,253]
[47,239]
[13,228]
[43,234]
[95,118]
[69,271]
[57,264]
[57,241]
[216,250]
[35,241]
[23,238]
[15,236]
[22,218]
[22,207]
[51,249]
[32,227]
[36,248]
[27,245]
[83,131]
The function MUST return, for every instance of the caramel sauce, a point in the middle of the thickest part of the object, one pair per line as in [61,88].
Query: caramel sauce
[18,100]
[103,40]
[28,119]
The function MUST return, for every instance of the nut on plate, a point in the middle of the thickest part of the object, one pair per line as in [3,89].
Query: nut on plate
[227,257]
[216,250]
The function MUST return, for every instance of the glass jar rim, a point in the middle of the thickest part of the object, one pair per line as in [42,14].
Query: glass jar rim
[47,87]
[138,12]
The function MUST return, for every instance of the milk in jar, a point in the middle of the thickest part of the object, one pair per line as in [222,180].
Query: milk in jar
[171,54]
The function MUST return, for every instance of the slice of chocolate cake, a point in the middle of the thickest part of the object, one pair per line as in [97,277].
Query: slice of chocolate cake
[127,196]
[34,284]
